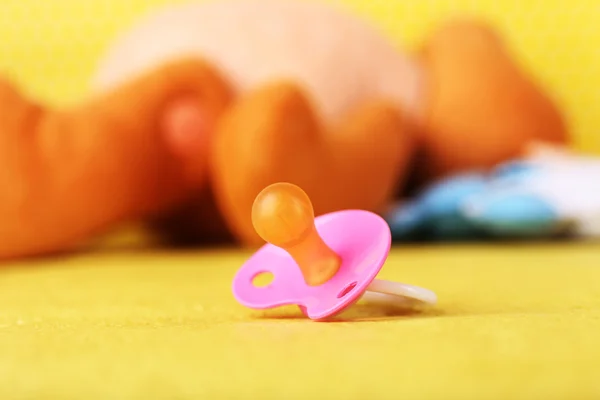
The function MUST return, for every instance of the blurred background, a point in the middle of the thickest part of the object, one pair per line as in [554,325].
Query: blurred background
[52,46]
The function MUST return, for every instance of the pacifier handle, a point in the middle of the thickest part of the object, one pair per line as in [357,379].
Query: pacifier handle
[283,215]
[279,292]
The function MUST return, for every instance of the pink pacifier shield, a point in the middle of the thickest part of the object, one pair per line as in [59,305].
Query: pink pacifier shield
[362,239]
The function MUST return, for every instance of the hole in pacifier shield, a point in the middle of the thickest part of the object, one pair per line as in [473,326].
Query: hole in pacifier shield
[347,290]
[262,279]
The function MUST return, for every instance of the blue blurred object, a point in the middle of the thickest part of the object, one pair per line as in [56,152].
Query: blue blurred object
[508,202]
[518,169]
[437,212]
[515,215]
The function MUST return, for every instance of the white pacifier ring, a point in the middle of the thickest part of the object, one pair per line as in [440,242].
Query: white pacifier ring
[395,293]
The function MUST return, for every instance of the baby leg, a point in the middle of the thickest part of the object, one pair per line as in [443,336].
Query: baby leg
[66,175]
[273,134]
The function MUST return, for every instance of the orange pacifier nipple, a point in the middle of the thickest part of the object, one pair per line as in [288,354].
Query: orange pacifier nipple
[283,215]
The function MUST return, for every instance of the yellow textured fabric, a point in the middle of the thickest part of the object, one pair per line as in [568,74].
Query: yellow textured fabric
[53,46]
[513,322]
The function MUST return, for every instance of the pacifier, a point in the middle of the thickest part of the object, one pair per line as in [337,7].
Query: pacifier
[323,265]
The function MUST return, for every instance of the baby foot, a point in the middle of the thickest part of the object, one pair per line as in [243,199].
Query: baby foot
[274,135]
[66,175]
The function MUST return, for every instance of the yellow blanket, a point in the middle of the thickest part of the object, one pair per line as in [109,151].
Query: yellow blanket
[513,322]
